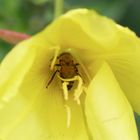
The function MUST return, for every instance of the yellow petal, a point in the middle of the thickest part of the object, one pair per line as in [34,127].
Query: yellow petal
[100,38]
[24,79]
[125,64]
[83,29]
[109,115]
[29,111]
[13,70]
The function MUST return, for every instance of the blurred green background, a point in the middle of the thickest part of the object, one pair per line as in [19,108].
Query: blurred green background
[30,16]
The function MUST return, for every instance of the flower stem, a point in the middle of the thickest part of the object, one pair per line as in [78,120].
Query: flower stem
[58,8]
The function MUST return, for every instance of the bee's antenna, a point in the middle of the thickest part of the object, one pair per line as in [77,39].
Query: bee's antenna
[52,78]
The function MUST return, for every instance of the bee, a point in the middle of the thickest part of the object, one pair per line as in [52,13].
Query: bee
[66,68]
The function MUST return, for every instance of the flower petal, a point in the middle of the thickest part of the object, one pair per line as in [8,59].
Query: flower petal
[100,38]
[13,69]
[109,115]
[29,111]
[126,66]
[83,29]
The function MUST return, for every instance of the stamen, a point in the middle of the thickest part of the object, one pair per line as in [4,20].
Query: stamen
[65,90]
[78,90]
[77,97]
[68,111]
[68,80]
[55,57]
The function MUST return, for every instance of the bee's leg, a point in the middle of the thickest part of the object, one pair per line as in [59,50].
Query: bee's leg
[65,89]
[55,57]
[76,69]
[57,65]
[77,64]
[52,78]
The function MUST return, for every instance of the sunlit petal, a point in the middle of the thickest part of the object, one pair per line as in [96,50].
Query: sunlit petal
[28,109]
[40,113]
[108,112]
[100,38]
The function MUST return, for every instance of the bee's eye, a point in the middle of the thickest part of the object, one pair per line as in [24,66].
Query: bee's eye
[62,62]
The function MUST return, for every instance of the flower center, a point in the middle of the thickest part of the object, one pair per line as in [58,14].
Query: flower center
[78,91]
[67,72]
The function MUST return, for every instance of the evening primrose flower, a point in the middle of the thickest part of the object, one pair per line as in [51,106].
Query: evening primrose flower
[109,70]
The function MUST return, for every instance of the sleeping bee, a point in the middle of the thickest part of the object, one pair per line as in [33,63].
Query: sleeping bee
[66,68]
[68,74]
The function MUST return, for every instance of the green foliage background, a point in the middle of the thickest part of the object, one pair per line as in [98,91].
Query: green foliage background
[30,16]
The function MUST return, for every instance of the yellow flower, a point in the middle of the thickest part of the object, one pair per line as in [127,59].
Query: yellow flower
[109,68]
